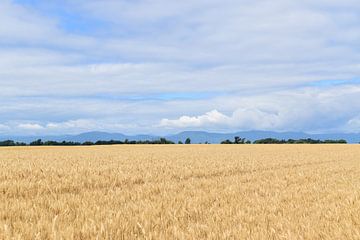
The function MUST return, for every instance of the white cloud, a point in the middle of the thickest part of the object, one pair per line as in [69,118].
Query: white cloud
[239,45]
[30,126]
[254,57]
[213,117]
[25,25]
[72,124]
[241,119]
[353,125]
[316,110]
[83,125]
[4,127]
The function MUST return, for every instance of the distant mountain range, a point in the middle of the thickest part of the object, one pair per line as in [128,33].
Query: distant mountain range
[195,136]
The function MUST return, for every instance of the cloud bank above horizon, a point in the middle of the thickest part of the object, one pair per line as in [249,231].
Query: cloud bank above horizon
[166,66]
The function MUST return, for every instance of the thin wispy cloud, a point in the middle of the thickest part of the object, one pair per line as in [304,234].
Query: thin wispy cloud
[165,66]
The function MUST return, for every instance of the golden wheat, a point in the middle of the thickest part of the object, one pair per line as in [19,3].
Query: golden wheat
[180,192]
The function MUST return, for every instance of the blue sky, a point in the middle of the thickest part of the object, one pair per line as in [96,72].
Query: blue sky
[165,66]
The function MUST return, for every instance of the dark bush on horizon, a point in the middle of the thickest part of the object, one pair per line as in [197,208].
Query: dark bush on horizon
[299,141]
[63,143]
[237,140]
[11,143]
[39,142]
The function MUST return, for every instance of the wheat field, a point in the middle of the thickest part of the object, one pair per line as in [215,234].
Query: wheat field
[180,192]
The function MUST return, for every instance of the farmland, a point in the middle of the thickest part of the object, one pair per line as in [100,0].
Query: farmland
[180,192]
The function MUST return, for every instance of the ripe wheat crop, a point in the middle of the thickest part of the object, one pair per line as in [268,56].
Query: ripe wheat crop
[180,192]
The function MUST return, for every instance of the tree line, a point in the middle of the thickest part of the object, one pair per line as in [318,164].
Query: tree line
[237,140]
[39,142]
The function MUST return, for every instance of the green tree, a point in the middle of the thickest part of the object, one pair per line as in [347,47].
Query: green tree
[188,141]
[239,140]
[37,143]
[227,141]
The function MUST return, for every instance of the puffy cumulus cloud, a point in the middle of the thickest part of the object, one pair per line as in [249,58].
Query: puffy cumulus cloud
[307,109]
[213,117]
[315,109]
[77,126]
[80,124]
[353,125]
[241,119]
[30,126]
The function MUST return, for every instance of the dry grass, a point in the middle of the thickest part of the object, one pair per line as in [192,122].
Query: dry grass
[180,192]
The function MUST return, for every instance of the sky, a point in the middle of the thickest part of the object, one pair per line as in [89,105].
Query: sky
[164,66]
